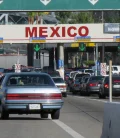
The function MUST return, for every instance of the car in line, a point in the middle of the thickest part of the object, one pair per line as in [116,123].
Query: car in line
[91,85]
[29,93]
[75,87]
[104,87]
[60,83]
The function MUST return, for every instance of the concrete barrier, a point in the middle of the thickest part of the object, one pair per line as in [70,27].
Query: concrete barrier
[111,123]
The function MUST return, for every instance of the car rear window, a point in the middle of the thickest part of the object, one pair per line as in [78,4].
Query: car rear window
[97,78]
[88,71]
[30,80]
[58,80]
[54,74]
[114,79]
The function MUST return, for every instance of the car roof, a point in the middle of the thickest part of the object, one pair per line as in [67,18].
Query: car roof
[26,73]
[58,77]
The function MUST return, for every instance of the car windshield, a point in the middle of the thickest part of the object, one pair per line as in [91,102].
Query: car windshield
[54,74]
[88,71]
[58,80]
[30,80]
[95,78]
[2,70]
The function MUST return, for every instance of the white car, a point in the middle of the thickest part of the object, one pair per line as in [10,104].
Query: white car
[60,83]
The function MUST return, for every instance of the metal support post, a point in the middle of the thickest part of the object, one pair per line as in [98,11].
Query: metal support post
[87,56]
[110,81]
[103,52]
[96,72]
[43,58]
[54,60]
[94,54]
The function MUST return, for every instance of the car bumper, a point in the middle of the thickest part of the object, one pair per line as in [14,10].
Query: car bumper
[115,92]
[93,90]
[24,106]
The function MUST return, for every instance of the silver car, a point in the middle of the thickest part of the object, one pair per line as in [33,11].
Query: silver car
[24,93]
[60,83]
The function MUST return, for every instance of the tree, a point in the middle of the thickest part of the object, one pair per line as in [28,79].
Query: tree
[82,17]
[63,17]
[32,16]
[74,17]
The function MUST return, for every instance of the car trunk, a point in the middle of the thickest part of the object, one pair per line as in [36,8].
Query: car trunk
[32,93]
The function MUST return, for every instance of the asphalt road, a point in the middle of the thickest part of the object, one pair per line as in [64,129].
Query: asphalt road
[81,117]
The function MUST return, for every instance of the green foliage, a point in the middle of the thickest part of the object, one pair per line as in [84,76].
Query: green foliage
[33,14]
[82,17]
[74,17]
[63,17]
[89,63]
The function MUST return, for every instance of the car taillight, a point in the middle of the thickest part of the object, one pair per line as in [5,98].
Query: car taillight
[116,81]
[76,85]
[64,86]
[106,86]
[34,96]
[93,84]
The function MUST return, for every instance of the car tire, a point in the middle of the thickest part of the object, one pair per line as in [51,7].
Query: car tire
[64,94]
[44,115]
[55,114]
[4,115]
[101,95]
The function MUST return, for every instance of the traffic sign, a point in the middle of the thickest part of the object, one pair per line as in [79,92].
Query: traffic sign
[37,47]
[58,5]
[17,68]
[82,47]
[37,39]
[103,69]
[74,44]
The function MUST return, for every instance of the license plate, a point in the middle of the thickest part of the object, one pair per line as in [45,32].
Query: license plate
[34,106]
[116,86]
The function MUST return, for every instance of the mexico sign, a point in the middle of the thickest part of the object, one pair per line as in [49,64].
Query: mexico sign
[58,5]
[63,33]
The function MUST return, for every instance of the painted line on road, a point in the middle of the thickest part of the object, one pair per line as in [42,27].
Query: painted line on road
[66,128]
[90,99]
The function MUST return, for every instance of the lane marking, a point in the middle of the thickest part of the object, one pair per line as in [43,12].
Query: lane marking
[90,99]
[66,128]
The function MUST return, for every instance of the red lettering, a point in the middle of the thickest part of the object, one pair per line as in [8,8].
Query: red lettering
[63,31]
[80,31]
[69,31]
[31,33]
[55,31]
[43,32]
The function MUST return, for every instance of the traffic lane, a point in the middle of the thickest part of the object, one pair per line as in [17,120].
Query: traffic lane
[30,126]
[95,97]
[84,116]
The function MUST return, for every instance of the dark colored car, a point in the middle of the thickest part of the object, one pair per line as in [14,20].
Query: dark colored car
[92,85]
[75,87]
[104,87]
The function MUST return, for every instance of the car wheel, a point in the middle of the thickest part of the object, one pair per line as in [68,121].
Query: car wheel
[4,115]
[87,93]
[64,94]
[55,114]
[101,95]
[44,115]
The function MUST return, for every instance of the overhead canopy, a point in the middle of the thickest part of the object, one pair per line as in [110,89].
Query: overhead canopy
[58,5]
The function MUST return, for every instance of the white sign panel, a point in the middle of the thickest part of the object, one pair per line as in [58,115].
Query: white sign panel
[17,68]
[103,69]
[63,33]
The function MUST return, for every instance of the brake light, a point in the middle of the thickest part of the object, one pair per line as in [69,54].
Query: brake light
[106,86]
[93,84]
[33,96]
[64,86]
[116,81]
[76,85]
